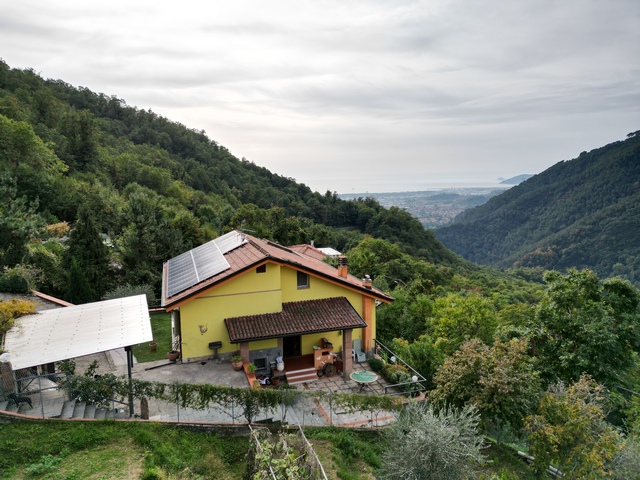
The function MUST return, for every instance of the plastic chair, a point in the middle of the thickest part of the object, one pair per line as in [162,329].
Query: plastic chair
[358,356]
[356,353]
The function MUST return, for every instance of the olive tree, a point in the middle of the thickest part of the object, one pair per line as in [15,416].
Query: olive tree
[425,443]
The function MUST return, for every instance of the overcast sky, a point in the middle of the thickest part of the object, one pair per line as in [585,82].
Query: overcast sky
[356,96]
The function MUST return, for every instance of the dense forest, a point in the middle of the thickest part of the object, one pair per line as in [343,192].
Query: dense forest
[582,213]
[95,195]
[154,187]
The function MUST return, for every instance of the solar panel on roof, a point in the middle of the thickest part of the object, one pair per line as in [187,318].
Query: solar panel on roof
[181,273]
[200,263]
[209,260]
[229,241]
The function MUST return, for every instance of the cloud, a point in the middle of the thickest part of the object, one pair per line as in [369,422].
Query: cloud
[401,90]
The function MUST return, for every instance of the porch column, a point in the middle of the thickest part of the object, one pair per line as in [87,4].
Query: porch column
[281,346]
[244,351]
[347,346]
[367,316]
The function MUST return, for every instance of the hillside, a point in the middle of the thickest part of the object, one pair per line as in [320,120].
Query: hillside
[582,213]
[154,187]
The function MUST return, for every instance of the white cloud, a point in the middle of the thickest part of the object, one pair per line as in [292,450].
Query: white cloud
[360,96]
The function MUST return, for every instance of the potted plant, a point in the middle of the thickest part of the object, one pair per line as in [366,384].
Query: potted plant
[174,353]
[236,362]
[153,346]
[251,368]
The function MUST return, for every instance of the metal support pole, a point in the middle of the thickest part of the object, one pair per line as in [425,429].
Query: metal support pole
[41,400]
[129,366]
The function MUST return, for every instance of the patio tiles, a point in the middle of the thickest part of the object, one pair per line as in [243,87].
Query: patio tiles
[305,411]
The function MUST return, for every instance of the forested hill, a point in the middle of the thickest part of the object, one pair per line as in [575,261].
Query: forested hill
[582,213]
[154,186]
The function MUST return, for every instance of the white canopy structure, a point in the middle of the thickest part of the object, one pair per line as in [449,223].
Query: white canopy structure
[79,330]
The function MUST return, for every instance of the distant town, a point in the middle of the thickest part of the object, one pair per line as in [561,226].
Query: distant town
[438,207]
[434,208]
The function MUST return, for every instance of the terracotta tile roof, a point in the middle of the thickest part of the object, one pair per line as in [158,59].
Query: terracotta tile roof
[255,252]
[308,250]
[296,318]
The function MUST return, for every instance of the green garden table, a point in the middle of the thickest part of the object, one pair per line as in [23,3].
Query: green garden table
[363,378]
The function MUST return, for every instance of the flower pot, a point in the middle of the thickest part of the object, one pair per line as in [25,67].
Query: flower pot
[153,346]
[173,355]
[237,365]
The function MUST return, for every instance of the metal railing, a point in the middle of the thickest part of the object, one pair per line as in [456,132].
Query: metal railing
[417,385]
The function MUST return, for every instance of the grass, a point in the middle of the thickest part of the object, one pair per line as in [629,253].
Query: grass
[59,450]
[108,449]
[347,454]
[161,329]
[505,464]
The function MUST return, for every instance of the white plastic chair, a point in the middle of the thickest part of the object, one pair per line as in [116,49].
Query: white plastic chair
[356,353]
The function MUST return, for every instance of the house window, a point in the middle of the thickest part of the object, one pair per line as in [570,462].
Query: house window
[303,280]
[262,269]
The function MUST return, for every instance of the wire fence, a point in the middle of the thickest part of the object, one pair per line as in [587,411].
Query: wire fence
[54,396]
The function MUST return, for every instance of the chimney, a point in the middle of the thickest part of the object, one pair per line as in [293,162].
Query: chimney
[312,244]
[366,282]
[343,266]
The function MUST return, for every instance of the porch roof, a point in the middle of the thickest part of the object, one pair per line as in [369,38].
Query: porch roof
[70,332]
[296,318]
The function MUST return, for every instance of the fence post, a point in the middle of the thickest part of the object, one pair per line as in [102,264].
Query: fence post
[177,402]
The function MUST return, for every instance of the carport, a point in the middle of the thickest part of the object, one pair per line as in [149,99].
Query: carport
[75,331]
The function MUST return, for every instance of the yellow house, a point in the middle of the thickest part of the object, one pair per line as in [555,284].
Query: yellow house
[241,293]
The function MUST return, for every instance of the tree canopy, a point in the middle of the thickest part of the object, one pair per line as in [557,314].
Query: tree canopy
[584,325]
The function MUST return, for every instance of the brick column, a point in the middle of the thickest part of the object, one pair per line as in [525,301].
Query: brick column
[367,316]
[6,377]
[347,346]
[244,351]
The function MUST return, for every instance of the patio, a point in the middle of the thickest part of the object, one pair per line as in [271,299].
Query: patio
[304,411]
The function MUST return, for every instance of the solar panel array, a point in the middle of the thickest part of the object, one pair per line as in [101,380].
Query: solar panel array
[200,263]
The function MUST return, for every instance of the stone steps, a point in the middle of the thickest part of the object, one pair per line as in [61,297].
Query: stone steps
[304,375]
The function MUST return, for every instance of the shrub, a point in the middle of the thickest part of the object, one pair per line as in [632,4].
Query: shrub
[14,281]
[392,370]
[12,309]
[376,364]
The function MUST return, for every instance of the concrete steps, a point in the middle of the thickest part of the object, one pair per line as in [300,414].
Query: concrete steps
[304,375]
[90,411]
[75,409]
[67,409]
[52,405]
[8,407]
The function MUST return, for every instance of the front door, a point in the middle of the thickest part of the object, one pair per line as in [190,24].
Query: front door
[291,346]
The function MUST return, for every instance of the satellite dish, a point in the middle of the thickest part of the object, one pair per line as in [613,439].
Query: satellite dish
[5,357]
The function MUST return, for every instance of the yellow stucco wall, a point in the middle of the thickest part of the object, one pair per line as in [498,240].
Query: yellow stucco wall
[248,294]
[263,344]
[202,319]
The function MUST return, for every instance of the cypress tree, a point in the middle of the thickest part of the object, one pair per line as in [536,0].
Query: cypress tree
[85,247]
[78,289]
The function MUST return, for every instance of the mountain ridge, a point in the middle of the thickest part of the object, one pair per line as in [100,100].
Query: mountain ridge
[578,213]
